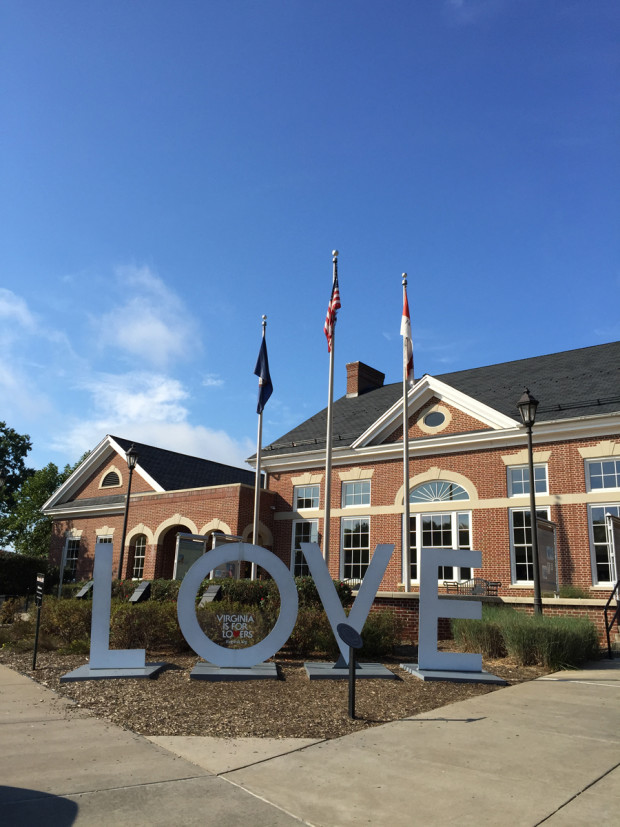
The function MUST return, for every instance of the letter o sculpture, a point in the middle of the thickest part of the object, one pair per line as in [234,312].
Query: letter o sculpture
[186,606]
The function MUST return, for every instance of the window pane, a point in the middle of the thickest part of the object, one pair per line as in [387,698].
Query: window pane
[304,531]
[356,547]
[356,493]
[603,563]
[306,496]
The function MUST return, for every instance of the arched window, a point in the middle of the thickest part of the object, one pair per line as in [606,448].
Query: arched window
[448,528]
[438,491]
[139,553]
[110,480]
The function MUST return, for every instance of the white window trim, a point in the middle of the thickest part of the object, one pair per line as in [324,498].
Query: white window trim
[527,494]
[342,548]
[587,464]
[595,581]
[355,482]
[69,540]
[454,513]
[294,523]
[513,561]
[143,557]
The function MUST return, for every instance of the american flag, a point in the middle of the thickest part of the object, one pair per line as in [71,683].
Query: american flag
[330,318]
[405,332]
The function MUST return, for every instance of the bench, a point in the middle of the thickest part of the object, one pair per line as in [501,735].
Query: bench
[476,585]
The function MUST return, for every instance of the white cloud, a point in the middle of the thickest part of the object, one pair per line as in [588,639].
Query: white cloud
[152,324]
[13,309]
[212,380]
[465,12]
[147,408]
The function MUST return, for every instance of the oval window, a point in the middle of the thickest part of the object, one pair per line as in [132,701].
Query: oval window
[434,419]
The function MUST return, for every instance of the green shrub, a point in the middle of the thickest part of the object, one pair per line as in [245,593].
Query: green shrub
[165,589]
[11,609]
[246,592]
[150,625]
[66,620]
[312,633]
[552,642]
[381,633]
[574,592]
[486,635]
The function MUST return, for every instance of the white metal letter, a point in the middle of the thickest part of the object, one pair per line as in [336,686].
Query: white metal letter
[329,596]
[433,607]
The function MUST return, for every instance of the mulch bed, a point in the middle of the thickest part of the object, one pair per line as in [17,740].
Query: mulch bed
[292,706]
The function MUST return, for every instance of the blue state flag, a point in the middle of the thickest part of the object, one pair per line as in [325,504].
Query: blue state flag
[265,388]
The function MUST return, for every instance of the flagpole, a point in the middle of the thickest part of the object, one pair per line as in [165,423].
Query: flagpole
[328,441]
[406,549]
[259,441]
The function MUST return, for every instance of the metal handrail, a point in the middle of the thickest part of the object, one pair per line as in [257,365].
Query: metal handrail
[609,624]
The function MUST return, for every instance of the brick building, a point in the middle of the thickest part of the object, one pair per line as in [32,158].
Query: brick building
[468,478]
[170,493]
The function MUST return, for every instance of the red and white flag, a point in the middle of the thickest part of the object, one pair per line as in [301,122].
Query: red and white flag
[405,332]
[330,318]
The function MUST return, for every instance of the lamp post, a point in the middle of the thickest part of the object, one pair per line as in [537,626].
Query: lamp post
[527,408]
[132,459]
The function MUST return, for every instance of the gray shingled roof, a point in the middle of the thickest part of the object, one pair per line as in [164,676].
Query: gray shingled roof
[174,471]
[573,383]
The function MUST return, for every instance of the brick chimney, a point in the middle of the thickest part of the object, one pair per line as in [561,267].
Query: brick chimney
[362,378]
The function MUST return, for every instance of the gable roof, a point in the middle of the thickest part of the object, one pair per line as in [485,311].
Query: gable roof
[569,384]
[164,470]
[173,471]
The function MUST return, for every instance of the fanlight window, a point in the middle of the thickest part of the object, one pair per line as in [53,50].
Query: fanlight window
[110,479]
[437,492]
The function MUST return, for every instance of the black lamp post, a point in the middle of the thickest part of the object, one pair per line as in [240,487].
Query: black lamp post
[132,459]
[527,408]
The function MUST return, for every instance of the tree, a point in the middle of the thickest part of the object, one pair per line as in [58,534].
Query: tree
[29,530]
[13,472]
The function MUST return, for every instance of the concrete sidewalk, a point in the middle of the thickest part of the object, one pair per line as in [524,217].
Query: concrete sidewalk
[545,751]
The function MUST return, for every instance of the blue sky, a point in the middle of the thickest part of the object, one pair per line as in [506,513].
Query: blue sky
[172,171]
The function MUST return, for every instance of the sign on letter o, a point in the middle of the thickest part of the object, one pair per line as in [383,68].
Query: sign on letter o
[186,606]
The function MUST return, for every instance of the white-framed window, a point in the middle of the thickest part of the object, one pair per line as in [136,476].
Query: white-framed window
[602,474]
[437,491]
[355,493]
[139,553]
[306,496]
[304,531]
[449,529]
[355,545]
[519,480]
[521,562]
[71,559]
[603,567]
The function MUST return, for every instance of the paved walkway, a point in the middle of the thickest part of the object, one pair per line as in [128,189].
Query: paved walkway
[547,751]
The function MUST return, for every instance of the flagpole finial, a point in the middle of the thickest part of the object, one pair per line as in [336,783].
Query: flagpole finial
[404,279]
[335,253]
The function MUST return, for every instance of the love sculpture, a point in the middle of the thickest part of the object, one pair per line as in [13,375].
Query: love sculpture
[131,663]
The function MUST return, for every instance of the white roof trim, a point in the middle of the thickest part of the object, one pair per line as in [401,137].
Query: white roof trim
[590,427]
[424,389]
[105,449]
[146,477]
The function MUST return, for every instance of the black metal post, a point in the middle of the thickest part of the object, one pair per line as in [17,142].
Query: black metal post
[351,682]
[36,639]
[538,607]
[120,561]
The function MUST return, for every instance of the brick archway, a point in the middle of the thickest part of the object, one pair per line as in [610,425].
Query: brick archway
[164,566]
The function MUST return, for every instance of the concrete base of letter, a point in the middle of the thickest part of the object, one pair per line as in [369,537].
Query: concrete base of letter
[328,672]
[447,675]
[210,672]
[86,673]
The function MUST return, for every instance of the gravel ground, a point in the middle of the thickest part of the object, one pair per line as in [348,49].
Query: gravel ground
[292,706]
